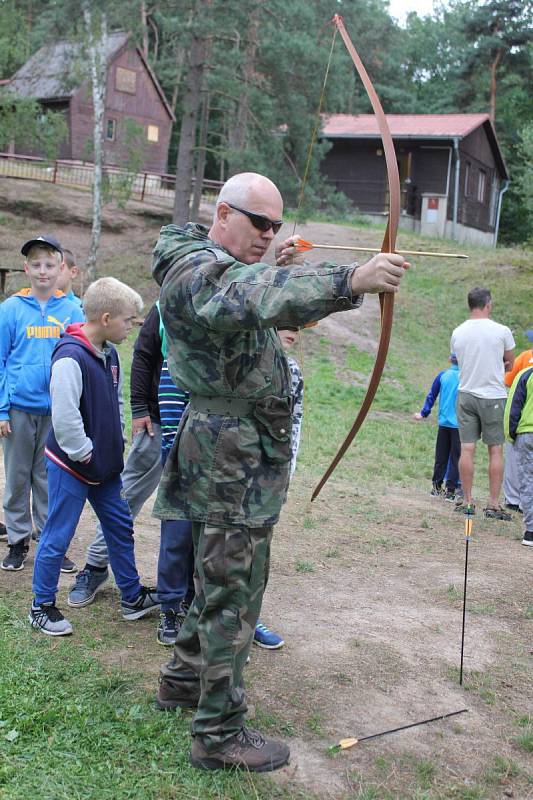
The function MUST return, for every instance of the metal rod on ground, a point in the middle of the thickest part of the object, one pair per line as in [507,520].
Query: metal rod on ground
[468,534]
[344,744]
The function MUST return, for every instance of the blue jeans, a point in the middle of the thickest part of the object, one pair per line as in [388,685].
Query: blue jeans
[66,498]
[176,564]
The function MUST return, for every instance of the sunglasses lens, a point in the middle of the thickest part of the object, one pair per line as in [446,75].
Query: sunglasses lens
[264,224]
[261,223]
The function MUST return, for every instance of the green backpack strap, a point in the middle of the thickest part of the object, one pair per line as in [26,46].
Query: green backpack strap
[162,333]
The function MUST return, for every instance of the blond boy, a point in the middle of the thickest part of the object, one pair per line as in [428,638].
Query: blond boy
[69,271]
[84,451]
[31,323]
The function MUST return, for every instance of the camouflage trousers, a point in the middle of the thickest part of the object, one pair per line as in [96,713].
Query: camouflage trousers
[231,572]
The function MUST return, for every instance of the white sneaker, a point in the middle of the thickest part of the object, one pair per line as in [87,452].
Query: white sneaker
[146,601]
[48,619]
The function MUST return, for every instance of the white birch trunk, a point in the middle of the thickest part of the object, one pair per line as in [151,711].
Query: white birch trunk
[97,49]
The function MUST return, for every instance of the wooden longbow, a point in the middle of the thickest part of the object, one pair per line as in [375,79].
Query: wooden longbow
[386,299]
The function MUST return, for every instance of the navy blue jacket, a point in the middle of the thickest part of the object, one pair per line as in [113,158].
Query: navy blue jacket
[99,409]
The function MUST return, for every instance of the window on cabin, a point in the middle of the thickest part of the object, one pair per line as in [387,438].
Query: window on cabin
[125,80]
[152,134]
[467,178]
[110,130]
[482,182]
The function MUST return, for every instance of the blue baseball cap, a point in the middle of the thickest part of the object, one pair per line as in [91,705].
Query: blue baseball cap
[46,239]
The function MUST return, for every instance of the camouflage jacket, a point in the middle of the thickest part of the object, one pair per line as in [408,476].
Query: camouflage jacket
[231,468]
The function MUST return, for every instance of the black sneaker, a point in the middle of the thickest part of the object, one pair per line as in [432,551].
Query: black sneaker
[528,539]
[18,553]
[48,619]
[68,566]
[3,532]
[169,626]
[449,495]
[436,490]
[142,606]
[35,535]
[514,507]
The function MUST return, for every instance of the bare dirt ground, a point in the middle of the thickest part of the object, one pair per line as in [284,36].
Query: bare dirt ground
[366,591]
[366,588]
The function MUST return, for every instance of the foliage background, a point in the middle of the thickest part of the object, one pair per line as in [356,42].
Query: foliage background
[265,64]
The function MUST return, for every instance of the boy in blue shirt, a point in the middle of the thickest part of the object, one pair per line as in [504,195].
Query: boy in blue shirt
[448,445]
[84,450]
[31,323]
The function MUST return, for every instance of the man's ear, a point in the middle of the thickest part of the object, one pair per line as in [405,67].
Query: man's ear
[74,270]
[223,211]
[26,267]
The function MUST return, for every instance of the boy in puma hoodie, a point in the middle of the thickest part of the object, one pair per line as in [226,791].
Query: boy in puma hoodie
[84,451]
[31,323]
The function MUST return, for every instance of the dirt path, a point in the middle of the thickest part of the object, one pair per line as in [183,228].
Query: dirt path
[371,616]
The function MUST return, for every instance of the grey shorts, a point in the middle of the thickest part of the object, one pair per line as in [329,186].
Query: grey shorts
[480,418]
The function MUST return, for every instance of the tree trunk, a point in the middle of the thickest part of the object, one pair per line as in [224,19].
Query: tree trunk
[201,158]
[155,31]
[180,60]
[493,69]
[144,28]
[239,129]
[96,46]
[191,102]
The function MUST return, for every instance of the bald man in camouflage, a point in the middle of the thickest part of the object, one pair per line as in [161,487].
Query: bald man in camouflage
[228,471]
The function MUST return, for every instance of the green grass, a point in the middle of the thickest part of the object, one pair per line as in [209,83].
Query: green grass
[71,729]
[304,566]
[525,740]
[394,449]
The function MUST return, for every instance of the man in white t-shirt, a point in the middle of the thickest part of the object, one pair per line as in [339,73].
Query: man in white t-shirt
[485,351]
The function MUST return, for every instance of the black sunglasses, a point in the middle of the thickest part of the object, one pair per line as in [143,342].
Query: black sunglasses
[258,220]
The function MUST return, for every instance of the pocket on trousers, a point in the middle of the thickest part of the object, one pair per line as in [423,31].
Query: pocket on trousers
[226,556]
[493,411]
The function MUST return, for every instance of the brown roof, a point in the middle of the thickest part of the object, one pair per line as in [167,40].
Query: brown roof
[54,71]
[403,125]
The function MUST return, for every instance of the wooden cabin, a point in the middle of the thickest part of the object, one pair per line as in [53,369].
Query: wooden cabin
[452,172]
[55,77]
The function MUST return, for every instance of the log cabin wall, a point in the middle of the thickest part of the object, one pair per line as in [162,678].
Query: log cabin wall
[356,166]
[130,95]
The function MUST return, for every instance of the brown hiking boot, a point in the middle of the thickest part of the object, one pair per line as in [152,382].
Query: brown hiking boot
[171,695]
[247,750]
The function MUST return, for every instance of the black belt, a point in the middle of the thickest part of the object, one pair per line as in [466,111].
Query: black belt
[226,406]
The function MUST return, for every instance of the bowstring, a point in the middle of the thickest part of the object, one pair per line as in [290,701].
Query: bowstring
[316,127]
[315,132]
